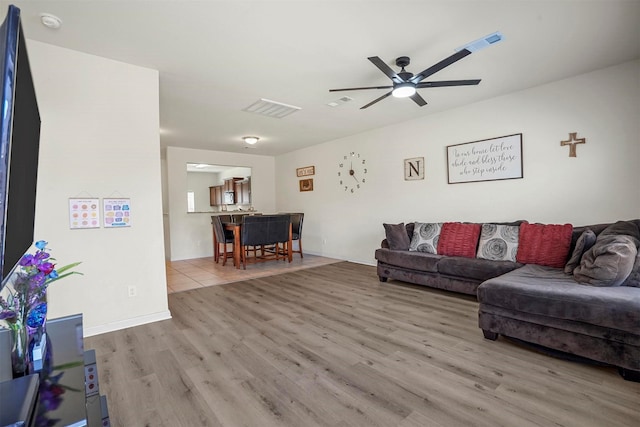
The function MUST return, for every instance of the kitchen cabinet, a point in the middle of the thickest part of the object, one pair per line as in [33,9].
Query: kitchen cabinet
[243,192]
[216,195]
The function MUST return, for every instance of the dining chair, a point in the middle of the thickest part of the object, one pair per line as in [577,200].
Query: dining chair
[267,232]
[296,230]
[223,237]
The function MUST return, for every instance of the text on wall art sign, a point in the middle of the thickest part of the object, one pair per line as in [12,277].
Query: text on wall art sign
[485,160]
[306,171]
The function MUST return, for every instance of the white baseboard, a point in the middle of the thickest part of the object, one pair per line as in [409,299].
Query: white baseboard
[128,323]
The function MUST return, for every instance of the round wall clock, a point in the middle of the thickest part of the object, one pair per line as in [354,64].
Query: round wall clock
[352,172]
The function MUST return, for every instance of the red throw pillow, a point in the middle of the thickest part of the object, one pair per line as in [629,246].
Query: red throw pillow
[457,239]
[544,244]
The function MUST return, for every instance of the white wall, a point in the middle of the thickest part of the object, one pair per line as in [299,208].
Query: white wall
[599,185]
[190,235]
[199,183]
[100,122]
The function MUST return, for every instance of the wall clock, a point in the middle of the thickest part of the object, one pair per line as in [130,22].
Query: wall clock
[352,172]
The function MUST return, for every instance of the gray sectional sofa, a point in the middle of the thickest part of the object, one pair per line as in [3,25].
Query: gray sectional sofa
[595,319]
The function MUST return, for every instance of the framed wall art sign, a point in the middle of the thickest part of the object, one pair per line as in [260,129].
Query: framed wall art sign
[117,212]
[84,213]
[486,160]
[306,171]
[414,168]
[306,184]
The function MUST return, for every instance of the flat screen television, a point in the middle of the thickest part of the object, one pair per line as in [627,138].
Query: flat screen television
[19,145]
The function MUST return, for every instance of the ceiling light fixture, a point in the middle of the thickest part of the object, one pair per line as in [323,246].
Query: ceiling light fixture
[404,90]
[250,139]
[50,21]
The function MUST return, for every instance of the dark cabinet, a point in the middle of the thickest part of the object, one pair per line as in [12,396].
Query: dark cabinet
[243,192]
[216,195]
[233,191]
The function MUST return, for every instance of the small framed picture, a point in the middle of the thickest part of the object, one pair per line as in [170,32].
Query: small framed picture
[414,168]
[306,171]
[306,184]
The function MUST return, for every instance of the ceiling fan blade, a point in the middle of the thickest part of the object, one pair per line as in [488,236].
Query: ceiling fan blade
[440,65]
[385,69]
[448,83]
[360,88]
[418,99]
[375,100]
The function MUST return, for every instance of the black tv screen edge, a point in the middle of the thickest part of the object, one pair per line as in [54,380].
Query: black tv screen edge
[19,145]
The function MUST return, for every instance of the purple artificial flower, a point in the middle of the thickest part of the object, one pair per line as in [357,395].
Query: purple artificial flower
[27,260]
[37,280]
[41,256]
[7,315]
[46,267]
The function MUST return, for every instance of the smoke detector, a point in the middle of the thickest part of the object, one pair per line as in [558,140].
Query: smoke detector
[50,21]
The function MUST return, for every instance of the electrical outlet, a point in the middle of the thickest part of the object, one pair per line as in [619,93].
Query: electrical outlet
[133,291]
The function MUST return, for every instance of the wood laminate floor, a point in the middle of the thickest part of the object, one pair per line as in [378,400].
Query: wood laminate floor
[332,346]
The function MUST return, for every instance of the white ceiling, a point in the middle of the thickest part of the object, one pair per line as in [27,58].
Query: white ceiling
[217,57]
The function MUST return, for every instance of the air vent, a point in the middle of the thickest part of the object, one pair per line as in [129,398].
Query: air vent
[266,107]
[339,101]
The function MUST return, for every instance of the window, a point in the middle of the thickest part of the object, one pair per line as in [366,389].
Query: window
[191,201]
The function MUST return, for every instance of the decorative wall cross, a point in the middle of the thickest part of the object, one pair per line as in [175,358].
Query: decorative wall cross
[572,142]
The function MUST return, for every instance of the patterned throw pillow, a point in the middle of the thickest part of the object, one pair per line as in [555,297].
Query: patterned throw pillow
[498,242]
[425,237]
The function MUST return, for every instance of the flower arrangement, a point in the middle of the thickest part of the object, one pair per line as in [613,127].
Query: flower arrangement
[26,302]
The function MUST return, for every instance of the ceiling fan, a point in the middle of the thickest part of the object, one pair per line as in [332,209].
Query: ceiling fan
[405,84]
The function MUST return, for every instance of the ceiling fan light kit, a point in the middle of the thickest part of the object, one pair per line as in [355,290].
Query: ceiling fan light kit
[405,84]
[403,90]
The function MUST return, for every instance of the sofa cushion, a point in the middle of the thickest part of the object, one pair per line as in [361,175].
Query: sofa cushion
[583,244]
[609,262]
[498,242]
[475,268]
[630,228]
[549,292]
[397,236]
[413,260]
[458,239]
[634,276]
[425,237]
[544,244]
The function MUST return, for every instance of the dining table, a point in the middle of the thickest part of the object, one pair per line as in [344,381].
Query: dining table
[236,227]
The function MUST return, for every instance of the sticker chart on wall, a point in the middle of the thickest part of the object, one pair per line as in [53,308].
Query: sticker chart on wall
[117,213]
[84,213]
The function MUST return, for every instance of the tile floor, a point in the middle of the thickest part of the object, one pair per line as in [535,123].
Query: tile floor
[201,272]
